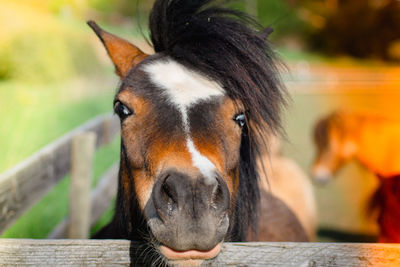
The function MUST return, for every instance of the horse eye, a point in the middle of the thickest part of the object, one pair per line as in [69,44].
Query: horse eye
[121,110]
[240,119]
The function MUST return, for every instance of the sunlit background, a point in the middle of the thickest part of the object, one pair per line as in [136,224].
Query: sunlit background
[54,76]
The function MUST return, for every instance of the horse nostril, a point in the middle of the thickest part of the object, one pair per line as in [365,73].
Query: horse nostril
[165,197]
[216,196]
[179,197]
[219,197]
[169,196]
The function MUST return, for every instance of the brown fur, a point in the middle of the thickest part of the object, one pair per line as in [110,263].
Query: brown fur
[285,180]
[279,222]
[123,54]
[162,154]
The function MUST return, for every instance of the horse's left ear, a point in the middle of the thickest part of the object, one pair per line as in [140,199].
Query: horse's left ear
[123,54]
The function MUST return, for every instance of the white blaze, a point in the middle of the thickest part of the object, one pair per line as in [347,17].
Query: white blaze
[184,89]
[201,162]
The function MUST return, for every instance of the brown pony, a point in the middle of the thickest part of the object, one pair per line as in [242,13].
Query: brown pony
[372,140]
[285,179]
[191,116]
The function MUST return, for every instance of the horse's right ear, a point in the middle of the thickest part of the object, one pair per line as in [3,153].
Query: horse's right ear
[123,54]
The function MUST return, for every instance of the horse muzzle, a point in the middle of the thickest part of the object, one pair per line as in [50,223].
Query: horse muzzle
[321,174]
[189,216]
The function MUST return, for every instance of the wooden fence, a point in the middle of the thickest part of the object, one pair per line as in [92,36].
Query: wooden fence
[29,181]
[26,183]
[120,253]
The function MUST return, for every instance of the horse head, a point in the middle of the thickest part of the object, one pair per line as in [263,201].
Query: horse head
[191,116]
[334,141]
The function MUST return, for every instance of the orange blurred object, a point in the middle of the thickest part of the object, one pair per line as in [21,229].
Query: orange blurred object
[374,141]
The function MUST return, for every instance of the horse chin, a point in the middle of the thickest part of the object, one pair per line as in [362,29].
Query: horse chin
[174,257]
[189,257]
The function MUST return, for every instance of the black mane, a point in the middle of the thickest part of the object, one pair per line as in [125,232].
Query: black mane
[229,47]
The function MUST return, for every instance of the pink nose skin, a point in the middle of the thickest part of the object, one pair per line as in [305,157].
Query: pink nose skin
[190,254]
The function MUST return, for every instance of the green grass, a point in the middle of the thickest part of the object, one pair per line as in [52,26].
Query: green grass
[34,116]
[104,219]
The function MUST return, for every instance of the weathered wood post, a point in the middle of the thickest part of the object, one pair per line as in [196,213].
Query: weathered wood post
[82,153]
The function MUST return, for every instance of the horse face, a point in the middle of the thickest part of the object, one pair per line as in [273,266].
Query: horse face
[181,138]
[334,149]
[326,163]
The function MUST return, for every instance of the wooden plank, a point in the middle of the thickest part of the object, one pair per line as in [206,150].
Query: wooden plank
[82,154]
[26,183]
[64,253]
[104,193]
[111,128]
[101,198]
[23,252]
[310,254]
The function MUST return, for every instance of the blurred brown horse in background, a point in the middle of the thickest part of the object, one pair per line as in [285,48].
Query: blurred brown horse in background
[286,180]
[374,141]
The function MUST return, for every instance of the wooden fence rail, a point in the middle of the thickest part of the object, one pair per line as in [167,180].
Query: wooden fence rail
[100,198]
[26,183]
[23,252]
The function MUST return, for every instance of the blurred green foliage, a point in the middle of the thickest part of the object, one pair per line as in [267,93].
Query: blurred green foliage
[122,7]
[36,46]
[281,16]
[278,14]
[136,9]
[38,56]
[333,27]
